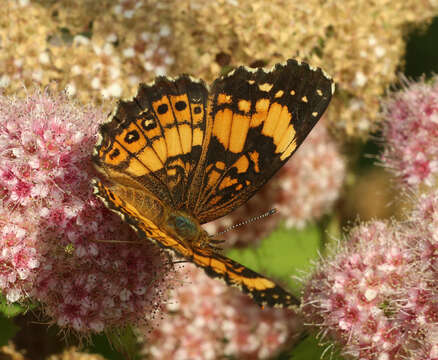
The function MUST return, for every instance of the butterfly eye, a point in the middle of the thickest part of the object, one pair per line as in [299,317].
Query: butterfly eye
[183,226]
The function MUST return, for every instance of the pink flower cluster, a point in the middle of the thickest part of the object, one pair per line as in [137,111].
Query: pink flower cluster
[411,132]
[377,296]
[59,245]
[304,189]
[207,320]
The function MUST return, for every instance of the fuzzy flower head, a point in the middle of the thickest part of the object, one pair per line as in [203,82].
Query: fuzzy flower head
[302,191]
[425,221]
[411,132]
[422,304]
[373,297]
[59,244]
[207,320]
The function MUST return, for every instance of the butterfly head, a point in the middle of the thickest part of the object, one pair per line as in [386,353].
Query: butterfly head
[185,227]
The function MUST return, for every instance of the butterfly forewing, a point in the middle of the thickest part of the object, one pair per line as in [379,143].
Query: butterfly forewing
[258,119]
[155,140]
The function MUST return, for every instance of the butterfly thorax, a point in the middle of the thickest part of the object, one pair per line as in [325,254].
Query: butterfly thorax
[185,227]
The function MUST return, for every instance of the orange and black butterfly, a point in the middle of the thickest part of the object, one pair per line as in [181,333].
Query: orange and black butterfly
[179,155]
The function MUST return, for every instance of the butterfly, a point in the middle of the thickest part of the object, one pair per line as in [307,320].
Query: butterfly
[178,155]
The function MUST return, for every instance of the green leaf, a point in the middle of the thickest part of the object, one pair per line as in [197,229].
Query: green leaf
[7,330]
[310,349]
[283,254]
[10,310]
[119,344]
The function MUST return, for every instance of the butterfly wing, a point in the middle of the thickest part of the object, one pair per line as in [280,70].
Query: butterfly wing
[154,141]
[143,213]
[263,290]
[257,120]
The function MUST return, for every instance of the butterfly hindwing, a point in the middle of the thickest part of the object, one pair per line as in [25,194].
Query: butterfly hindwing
[140,211]
[143,213]
[263,290]
[257,119]
[155,140]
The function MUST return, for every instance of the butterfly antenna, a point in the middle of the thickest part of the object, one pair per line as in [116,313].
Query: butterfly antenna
[246,222]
